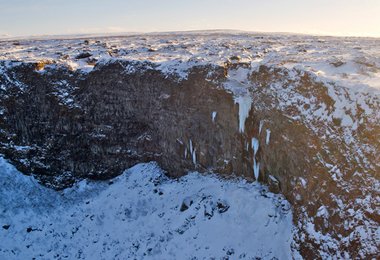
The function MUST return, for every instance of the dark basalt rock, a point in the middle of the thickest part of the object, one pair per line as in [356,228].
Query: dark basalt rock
[222,206]
[117,121]
[6,227]
[83,55]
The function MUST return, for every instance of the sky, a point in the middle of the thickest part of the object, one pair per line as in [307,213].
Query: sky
[57,17]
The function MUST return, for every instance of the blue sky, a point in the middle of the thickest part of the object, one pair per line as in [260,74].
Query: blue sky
[332,17]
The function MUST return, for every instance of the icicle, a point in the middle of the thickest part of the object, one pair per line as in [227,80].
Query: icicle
[261,126]
[267,137]
[192,152]
[194,157]
[245,103]
[255,145]
[213,116]
[256,169]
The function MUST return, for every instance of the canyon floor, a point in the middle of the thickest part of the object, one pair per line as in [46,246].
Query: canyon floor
[142,215]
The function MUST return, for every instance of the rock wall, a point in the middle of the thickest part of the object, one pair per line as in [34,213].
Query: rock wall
[62,126]
[116,120]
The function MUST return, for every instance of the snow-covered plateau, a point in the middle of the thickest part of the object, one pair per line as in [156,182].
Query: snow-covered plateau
[351,61]
[297,113]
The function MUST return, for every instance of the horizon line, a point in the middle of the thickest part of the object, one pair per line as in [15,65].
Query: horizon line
[195,31]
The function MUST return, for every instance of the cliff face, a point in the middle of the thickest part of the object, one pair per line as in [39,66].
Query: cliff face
[282,127]
[115,120]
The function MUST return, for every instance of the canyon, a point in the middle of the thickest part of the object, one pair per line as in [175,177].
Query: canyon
[316,141]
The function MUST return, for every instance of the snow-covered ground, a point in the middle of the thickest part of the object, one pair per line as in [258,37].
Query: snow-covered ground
[142,214]
[349,61]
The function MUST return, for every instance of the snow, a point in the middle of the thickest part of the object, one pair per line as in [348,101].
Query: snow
[303,182]
[142,215]
[322,212]
[213,116]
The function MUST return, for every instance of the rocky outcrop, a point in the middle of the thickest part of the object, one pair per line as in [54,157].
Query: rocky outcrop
[62,126]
